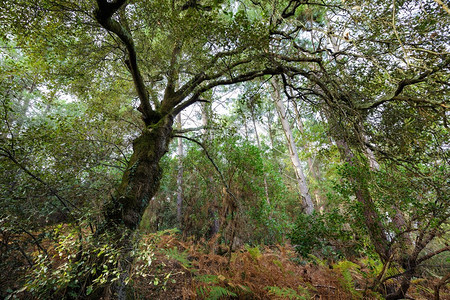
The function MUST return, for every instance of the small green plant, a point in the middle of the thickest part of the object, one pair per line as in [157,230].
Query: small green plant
[181,257]
[208,279]
[345,268]
[254,252]
[317,261]
[66,273]
[289,293]
[212,287]
[214,292]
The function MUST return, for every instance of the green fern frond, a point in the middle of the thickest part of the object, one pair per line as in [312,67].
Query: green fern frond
[254,252]
[317,260]
[287,293]
[207,279]
[345,268]
[181,257]
[218,292]
[214,292]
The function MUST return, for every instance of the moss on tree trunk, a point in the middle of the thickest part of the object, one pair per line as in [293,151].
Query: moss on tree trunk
[141,179]
[123,211]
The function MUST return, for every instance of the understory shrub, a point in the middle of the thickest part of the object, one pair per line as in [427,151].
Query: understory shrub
[322,235]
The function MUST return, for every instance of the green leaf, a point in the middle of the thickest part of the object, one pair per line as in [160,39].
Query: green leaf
[89,290]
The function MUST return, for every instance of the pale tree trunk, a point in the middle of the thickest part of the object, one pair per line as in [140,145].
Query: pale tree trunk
[180,176]
[373,163]
[301,179]
[205,117]
[269,121]
[310,162]
[246,129]
[271,137]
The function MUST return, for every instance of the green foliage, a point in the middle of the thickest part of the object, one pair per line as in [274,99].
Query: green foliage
[254,252]
[181,257]
[244,169]
[289,293]
[313,229]
[67,109]
[215,292]
[208,279]
[320,234]
[46,280]
[212,289]
[345,268]
[76,262]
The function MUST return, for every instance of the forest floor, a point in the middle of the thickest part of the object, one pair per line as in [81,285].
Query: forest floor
[187,270]
[177,269]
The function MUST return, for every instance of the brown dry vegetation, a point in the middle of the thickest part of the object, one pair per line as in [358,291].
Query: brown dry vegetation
[250,273]
[188,270]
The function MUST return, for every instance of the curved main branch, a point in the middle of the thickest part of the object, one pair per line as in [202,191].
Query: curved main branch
[103,14]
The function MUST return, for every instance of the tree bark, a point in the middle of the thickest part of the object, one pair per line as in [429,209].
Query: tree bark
[375,228]
[301,178]
[124,210]
[314,172]
[141,179]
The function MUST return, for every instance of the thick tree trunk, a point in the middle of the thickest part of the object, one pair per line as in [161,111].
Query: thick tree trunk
[140,182]
[301,178]
[375,228]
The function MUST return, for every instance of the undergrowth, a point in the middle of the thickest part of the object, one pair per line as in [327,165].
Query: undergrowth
[165,267]
[256,273]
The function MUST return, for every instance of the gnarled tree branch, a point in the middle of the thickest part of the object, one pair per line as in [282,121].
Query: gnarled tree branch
[103,15]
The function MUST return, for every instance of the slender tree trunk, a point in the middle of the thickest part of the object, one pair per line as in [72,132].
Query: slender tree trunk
[206,107]
[246,129]
[373,163]
[310,162]
[301,179]
[180,176]
[404,241]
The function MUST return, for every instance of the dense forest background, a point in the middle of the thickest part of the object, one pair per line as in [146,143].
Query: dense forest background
[212,149]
